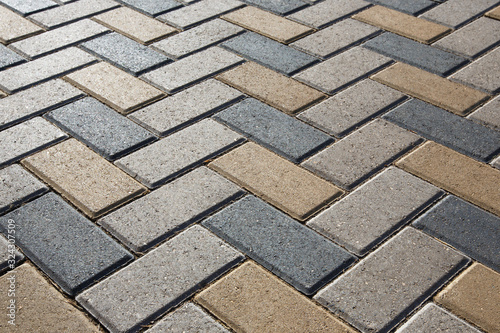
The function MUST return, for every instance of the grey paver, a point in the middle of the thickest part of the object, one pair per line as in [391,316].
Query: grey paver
[352,159]
[180,110]
[125,53]
[281,7]
[269,53]
[496,163]
[179,152]
[9,58]
[416,54]
[26,138]
[473,39]
[343,70]
[7,254]
[341,113]
[467,228]
[413,7]
[26,7]
[192,69]
[159,281]
[37,71]
[488,114]
[336,38]
[273,129]
[375,210]
[455,13]
[446,128]
[63,243]
[289,249]
[173,207]
[100,127]
[14,27]
[380,291]
[152,7]
[197,38]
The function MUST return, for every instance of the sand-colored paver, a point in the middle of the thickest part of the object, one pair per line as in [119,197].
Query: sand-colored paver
[14,27]
[494,13]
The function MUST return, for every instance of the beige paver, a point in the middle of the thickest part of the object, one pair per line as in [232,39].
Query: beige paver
[114,87]
[275,89]
[40,307]
[268,24]
[494,13]
[403,24]
[278,181]
[14,27]
[135,25]
[87,180]
[434,89]
[475,296]
[461,175]
[250,299]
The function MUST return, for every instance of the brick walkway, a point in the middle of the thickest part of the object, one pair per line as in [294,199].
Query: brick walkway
[250,166]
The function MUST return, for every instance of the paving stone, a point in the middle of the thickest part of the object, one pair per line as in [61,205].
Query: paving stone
[431,88]
[188,318]
[151,219]
[114,87]
[178,153]
[341,113]
[375,210]
[18,186]
[461,175]
[24,7]
[40,70]
[496,163]
[327,12]
[135,25]
[39,304]
[37,100]
[14,27]
[273,88]
[474,39]
[414,7]
[191,70]
[453,131]
[268,24]
[199,12]
[416,54]
[274,130]
[386,286]
[26,138]
[125,53]
[152,7]
[475,296]
[336,38]
[251,299]
[433,318]
[403,24]
[197,38]
[488,114]
[276,180]
[71,12]
[456,13]
[465,227]
[343,70]
[353,159]
[159,281]
[269,53]
[9,256]
[57,39]
[483,74]
[63,243]
[494,13]
[9,58]
[87,180]
[182,109]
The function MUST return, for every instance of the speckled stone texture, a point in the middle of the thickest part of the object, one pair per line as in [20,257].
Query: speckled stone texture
[281,7]
[488,114]
[13,27]
[413,7]
[456,13]
[26,7]
[9,257]
[328,11]
[9,58]
[152,7]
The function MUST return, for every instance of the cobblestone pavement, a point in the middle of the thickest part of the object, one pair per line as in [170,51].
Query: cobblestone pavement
[250,166]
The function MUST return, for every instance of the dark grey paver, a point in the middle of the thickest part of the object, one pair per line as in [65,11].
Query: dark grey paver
[467,228]
[413,7]
[273,129]
[289,249]
[9,58]
[456,13]
[100,127]
[446,128]
[70,249]
[159,281]
[26,7]
[281,7]
[9,255]
[386,286]
[152,7]
[125,53]
[416,54]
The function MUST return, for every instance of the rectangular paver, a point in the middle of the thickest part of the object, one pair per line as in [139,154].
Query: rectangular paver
[413,7]
[9,58]
[159,281]
[455,13]
[87,180]
[431,88]
[488,114]
[494,13]
[28,7]
[386,286]
[179,152]
[14,27]
[152,7]
[276,180]
[461,175]
[280,7]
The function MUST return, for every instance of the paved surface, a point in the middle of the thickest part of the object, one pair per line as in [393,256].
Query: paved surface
[250,166]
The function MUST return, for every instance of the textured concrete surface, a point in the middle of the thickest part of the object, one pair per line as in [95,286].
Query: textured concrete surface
[327,11]
[152,7]
[455,13]
[410,7]
[9,58]
[282,7]
[28,7]
[487,115]
[9,255]
[13,27]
